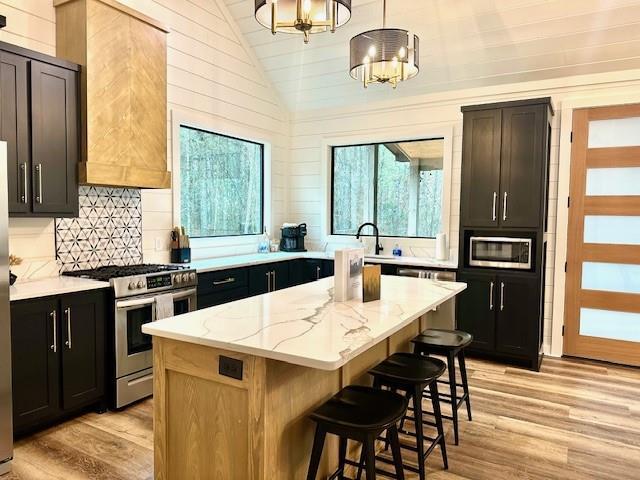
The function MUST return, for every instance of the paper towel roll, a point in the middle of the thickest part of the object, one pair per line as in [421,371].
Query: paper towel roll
[442,252]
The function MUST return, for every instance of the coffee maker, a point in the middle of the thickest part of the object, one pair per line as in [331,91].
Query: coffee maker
[292,239]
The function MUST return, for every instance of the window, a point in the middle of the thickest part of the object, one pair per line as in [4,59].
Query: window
[221,184]
[398,186]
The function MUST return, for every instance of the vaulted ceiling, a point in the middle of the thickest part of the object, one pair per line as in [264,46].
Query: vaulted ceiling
[464,43]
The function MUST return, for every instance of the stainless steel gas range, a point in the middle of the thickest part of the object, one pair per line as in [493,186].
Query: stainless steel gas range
[141,294]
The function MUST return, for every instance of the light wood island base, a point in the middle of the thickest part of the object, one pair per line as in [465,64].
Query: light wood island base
[210,426]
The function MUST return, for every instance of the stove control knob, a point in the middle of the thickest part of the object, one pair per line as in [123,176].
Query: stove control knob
[177,279]
[140,284]
[132,285]
[185,277]
[192,276]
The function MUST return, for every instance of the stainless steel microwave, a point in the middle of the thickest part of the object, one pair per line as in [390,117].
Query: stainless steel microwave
[500,252]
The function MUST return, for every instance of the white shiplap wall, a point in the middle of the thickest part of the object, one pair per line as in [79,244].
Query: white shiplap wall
[212,73]
[310,129]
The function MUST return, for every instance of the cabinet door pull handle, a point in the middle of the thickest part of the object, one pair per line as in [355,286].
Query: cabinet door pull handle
[39,194]
[504,206]
[23,171]
[225,281]
[67,312]
[491,296]
[495,202]
[274,280]
[54,318]
[501,296]
[268,274]
[317,273]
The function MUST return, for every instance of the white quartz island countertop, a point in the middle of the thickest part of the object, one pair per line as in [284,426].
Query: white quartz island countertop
[303,325]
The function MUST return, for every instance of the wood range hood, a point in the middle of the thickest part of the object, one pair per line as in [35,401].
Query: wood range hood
[123,55]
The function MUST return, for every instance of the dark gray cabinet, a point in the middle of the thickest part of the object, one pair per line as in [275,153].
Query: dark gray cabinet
[54,139]
[35,362]
[501,312]
[14,128]
[215,288]
[58,357]
[504,164]
[83,348]
[481,168]
[268,277]
[39,118]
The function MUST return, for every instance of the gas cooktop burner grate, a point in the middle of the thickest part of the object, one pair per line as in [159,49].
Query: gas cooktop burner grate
[115,271]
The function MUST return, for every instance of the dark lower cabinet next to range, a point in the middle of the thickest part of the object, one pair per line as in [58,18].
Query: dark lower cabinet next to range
[503,312]
[223,286]
[58,357]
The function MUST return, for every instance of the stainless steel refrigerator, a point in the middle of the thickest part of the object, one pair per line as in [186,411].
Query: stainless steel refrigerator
[6,423]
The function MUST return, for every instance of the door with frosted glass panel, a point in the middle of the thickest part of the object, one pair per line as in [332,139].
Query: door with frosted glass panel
[602,319]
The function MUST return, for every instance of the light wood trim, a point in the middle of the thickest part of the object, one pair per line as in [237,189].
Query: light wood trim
[614,111]
[575,230]
[91,173]
[123,8]
[612,205]
[616,301]
[616,351]
[614,157]
[600,252]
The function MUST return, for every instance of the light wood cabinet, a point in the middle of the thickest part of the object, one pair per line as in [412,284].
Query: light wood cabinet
[124,91]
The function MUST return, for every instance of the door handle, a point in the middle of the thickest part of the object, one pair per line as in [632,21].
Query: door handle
[491,296]
[54,318]
[268,274]
[504,206]
[274,280]
[317,273]
[39,194]
[23,171]
[495,202]
[225,281]
[501,296]
[67,312]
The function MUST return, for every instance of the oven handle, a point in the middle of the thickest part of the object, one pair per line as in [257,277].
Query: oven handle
[151,300]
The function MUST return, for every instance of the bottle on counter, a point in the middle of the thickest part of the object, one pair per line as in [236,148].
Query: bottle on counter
[265,244]
[397,251]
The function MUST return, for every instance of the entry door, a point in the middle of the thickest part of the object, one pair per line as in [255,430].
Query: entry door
[602,318]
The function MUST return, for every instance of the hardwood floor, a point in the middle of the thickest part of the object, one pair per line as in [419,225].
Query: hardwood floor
[573,420]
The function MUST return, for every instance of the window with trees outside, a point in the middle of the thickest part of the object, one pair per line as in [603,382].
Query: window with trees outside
[398,186]
[221,184]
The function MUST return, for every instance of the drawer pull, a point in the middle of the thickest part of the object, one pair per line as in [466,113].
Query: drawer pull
[224,282]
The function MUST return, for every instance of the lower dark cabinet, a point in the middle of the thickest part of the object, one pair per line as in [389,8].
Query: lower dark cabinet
[35,362]
[83,349]
[58,357]
[476,310]
[503,312]
[218,298]
[268,277]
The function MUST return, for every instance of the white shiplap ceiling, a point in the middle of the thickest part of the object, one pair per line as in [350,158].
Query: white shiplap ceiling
[464,43]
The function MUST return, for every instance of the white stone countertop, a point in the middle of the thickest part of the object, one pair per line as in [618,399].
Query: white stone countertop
[52,286]
[302,325]
[235,261]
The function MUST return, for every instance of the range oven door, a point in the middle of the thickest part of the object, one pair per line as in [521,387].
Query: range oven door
[500,252]
[134,349]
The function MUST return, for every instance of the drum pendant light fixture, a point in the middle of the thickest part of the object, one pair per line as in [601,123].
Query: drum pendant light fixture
[302,16]
[385,55]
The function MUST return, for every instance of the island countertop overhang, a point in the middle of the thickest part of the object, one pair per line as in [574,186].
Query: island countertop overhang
[303,326]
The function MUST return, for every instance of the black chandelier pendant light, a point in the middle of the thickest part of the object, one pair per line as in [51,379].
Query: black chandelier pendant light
[302,16]
[385,55]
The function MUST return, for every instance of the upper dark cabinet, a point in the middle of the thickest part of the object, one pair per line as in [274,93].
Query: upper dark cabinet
[481,168]
[504,164]
[39,121]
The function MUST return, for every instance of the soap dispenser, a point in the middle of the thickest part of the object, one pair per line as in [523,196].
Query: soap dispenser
[397,251]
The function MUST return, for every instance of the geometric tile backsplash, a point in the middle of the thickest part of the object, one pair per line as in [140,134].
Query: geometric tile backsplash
[107,232]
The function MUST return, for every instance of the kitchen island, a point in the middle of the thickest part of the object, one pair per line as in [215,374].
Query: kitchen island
[233,384]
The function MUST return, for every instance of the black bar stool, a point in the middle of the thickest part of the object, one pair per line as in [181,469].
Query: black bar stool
[359,413]
[449,343]
[411,374]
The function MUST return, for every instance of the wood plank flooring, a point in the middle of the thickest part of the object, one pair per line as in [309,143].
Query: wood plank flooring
[575,420]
